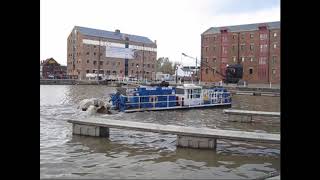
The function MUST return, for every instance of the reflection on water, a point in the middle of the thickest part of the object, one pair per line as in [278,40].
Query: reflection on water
[134,154]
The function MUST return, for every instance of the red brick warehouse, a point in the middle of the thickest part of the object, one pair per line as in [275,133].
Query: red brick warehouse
[255,46]
[110,53]
[52,69]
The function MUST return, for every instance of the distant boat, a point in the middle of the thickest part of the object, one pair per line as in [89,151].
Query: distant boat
[150,98]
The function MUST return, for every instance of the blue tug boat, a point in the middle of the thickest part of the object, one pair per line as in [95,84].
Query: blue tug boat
[150,98]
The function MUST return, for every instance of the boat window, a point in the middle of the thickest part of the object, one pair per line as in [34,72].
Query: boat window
[196,93]
[179,91]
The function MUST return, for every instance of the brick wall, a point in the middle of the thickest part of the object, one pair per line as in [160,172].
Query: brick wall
[237,49]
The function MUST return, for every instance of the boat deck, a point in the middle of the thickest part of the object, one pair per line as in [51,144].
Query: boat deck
[176,107]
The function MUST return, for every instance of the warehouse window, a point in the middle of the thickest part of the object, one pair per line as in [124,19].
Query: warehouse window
[94,62]
[94,53]
[224,50]
[88,70]
[224,38]
[234,59]
[242,59]
[132,64]
[273,71]
[251,36]
[263,36]
[242,36]
[118,63]
[88,61]
[263,48]
[250,70]
[206,49]
[251,59]
[206,70]
[274,34]
[263,60]
[101,62]
[87,53]
[251,47]
[274,46]
[214,59]
[274,59]
[242,47]
[234,37]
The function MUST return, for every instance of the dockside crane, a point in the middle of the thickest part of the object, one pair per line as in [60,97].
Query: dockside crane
[233,73]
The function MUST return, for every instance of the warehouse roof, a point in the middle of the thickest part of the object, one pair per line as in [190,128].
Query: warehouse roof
[244,27]
[112,35]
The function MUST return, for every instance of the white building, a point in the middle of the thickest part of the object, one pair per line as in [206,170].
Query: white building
[163,77]
[185,71]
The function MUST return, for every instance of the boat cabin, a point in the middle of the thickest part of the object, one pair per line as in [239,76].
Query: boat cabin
[189,95]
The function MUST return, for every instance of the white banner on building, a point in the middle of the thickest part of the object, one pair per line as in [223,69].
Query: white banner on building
[119,45]
[119,52]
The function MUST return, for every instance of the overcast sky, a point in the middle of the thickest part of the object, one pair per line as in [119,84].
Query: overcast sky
[175,24]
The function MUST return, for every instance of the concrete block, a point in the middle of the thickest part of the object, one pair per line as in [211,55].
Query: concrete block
[76,129]
[103,132]
[90,130]
[196,142]
[240,118]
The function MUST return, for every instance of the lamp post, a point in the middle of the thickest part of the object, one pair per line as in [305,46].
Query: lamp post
[142,62]
[137,72]
[98,62]
[176,74]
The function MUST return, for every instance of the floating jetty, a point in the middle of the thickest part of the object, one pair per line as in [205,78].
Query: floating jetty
[191,137]
[247,116]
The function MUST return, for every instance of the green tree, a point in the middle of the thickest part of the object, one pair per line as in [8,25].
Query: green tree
[165,66]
